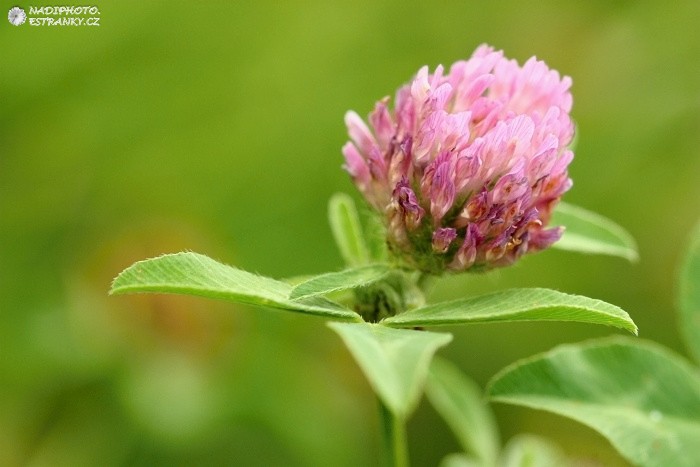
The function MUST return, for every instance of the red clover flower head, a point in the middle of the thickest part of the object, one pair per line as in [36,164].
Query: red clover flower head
[468,165]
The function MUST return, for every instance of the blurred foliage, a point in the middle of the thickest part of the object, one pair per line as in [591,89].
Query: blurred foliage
[217,128]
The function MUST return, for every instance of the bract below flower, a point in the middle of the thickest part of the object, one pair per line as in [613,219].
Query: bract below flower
[469,164]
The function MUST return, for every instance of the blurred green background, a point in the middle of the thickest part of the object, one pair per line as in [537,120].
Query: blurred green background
[216,127]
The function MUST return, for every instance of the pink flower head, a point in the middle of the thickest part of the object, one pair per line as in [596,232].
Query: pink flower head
[468,165]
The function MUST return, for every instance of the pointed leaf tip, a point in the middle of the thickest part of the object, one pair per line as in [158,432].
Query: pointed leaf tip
[589,232]
[516,305]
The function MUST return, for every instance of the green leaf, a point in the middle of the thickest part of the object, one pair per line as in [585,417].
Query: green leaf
[460,460]
[395,361]
[347,230]
[375,235]
[589,232]
[689,295]
[335,281]
[516,305]
[640,396]
[527,450]
[195,274]
[461,404]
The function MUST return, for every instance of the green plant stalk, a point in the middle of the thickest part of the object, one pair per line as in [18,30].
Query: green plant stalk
[394,438]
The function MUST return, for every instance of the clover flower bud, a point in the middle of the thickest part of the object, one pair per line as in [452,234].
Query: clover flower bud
[468,166]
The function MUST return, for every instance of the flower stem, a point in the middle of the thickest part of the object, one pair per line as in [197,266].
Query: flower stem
[394,437]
